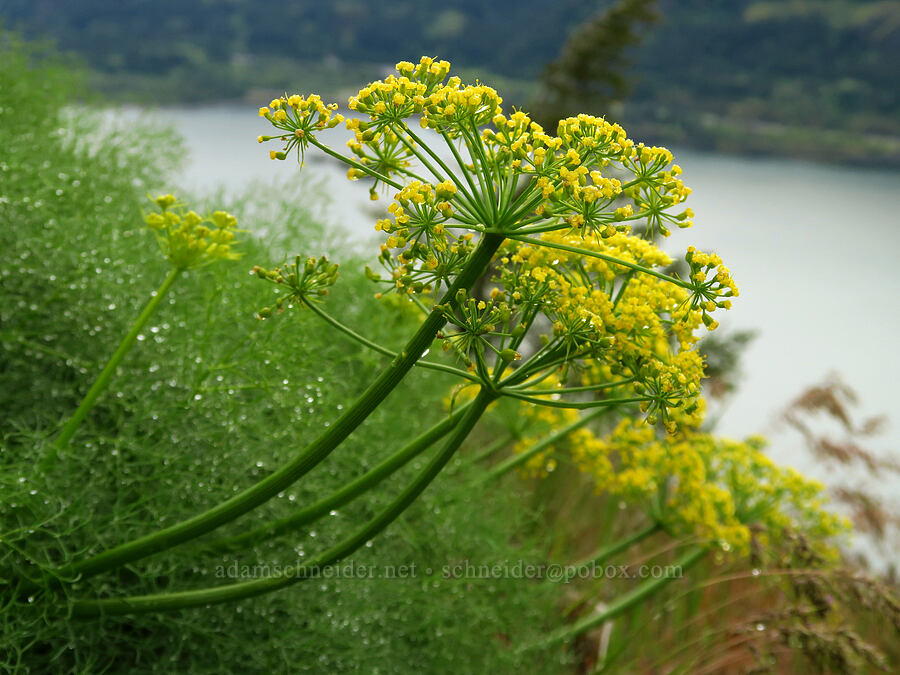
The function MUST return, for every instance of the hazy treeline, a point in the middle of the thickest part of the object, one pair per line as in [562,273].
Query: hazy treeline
[803,64]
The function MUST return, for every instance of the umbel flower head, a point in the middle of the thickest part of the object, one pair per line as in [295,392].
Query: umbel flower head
[188,239]
[721,491]
[297,118]
[715,488]
[578,290]
[303,280]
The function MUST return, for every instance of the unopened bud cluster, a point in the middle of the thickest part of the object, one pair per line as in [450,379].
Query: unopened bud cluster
[303,280]
[476,320]
[188,239]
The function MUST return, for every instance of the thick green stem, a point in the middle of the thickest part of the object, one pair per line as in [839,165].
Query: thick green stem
[308,458]
[307,570]
[347,493]
[626,601]
[543,444]
[108,371]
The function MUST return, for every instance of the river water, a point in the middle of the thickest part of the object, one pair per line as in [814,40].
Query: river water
[814,249]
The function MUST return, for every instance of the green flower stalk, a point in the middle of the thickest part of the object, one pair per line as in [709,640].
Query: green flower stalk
[306,570]
[100,384]
[350,491]
[607,552]
[188,240]
[304,462]
[645,590]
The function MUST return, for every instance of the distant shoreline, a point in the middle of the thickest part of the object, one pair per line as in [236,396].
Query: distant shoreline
[749,137]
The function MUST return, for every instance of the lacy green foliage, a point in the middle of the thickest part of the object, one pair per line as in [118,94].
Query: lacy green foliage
[64,205]
[208,402]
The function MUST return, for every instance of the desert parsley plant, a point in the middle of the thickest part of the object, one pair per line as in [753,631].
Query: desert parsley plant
[530,257]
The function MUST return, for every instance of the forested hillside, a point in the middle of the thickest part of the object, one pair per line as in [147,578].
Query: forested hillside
[708,73]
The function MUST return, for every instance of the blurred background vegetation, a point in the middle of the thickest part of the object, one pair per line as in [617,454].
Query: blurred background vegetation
[809,78]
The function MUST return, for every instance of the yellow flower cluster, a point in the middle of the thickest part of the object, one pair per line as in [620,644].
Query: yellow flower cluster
[657,189]
[713,488]
[394,98]
[428,71]
[428,251]
[416,214]
[421,266]
[692,483]
[188,239]
[378,143]
[419,90]
[299,118]
[649,160]
[455,109]
[570,173]
[594,140]
[517,138]
[709,293]
[475,318]
[641,327]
